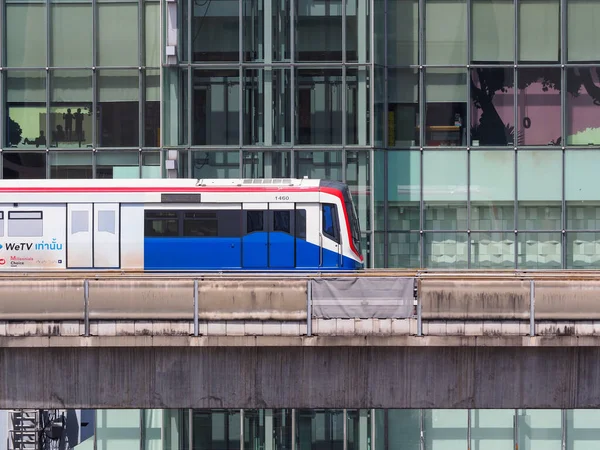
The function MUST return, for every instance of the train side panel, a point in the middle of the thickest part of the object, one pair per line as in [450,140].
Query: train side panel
[132,236]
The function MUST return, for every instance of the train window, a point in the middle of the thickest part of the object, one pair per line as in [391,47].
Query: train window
[80,222]
[106,221]
[254,221]
[161,224]
[25,224]
[1,223]
[200,224]
[330,223]
[301,223]
[281,221]
[230,223]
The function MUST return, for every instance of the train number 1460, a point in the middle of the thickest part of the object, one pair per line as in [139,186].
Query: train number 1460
[282,198]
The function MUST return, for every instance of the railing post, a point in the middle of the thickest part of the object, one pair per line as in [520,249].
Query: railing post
[531,308]
[86,307]
[309,308]
[419,315]
[196,326]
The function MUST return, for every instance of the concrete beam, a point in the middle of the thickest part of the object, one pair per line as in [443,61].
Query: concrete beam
[300,377]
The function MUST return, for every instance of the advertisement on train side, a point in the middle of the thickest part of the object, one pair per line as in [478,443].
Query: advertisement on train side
[32,238]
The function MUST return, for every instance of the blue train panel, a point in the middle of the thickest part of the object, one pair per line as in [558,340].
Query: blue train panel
[256,251]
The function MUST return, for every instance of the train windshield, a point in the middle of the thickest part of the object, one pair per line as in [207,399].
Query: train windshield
[353,218]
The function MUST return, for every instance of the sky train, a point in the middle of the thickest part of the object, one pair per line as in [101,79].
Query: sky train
[178,225]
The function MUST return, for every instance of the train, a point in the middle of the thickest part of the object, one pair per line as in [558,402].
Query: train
[146,225]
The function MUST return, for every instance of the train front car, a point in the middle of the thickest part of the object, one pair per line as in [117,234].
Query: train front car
[340,227]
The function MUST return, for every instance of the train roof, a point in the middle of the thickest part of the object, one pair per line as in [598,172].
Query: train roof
[165,182]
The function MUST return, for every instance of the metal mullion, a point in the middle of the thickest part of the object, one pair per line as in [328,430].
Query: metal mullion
[343,32]
[421,213]
[344,109]
[48,45]
[189,114]
[141,85]
[563,124]
[94,84]
[3,110]
[385,210]
[516,158]
[468,209]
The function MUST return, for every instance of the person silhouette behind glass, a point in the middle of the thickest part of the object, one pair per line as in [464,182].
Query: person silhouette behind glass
[79,125]
[68,124]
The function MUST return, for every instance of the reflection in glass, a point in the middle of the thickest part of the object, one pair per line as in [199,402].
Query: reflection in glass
[445,429]
[357,29]
[151,37]
[319,164]
[403,107]
[267,429]
[215,30]
[210,164]
[539,31]
[175,107]
[215,107]
[446,94]
[75,165]
[539,216]
[492,190]
[492,36]
[583,105]
[70,35]
[379,261]
[404,190]
[359,429]
[492,428]
[358,179]
[583,215]
[539,251]
[215,429]
[492,251]
[26,26]
[540,429]
[273,164]
[118,428]
[71,109]
[124,164]
[403,250]
[151,165]
[446,44]
[117,34]
[26,109]
[319,429]
[152,108]
[583,34]
[319,106]
[24,165]
[318,31]
[492,108]
[380,118]
[583,252]
[404,427]
[118,108]
[259,44]
[357,106]
[582,429]
[403,32]
[538,106]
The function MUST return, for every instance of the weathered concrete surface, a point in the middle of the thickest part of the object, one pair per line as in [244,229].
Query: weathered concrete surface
[301,377]
[575,300]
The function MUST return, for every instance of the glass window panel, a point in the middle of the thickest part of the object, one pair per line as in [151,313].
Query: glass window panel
[444,175]
[26,108]
[583,33]
[583,252]
[210,164]
[26,26]
[583,122]
[404,252]
[152,108]
[153,426]
[118,428]
[446,32]
[404,190]
[492,190]
[151,165]
[266,428]
[492,251]
[259,16]
[318,31]
[319,106]
[379,261]
[358,179]
[379,113]
[492,429]
[357,29]
[492,108]
[73,165]
[540,429]
[358,431]
[493,31]
[325,165]
[319,429]
[584,215]
[151,34]
[176,430]
[70,35]
[403,107]
[536,216]
[379,187]
[583,430]
[539,251]
[581,175]
[403,32]
[538,175]
[539,31]
[446,94]
[118,34]
[215,31]
[216,107]
[175,107]
[125,164]
[357,106]
[71,108]
[403,429]
[118,108]
[446,251]
[266,164]
[538,106]
[445,429]
[24,165]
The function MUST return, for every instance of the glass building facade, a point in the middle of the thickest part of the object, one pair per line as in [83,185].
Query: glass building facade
[288,429]
[468,130]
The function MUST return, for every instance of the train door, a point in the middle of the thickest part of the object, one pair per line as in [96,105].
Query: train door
[93,236]
[282,248]
[331,248]
[255,236]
